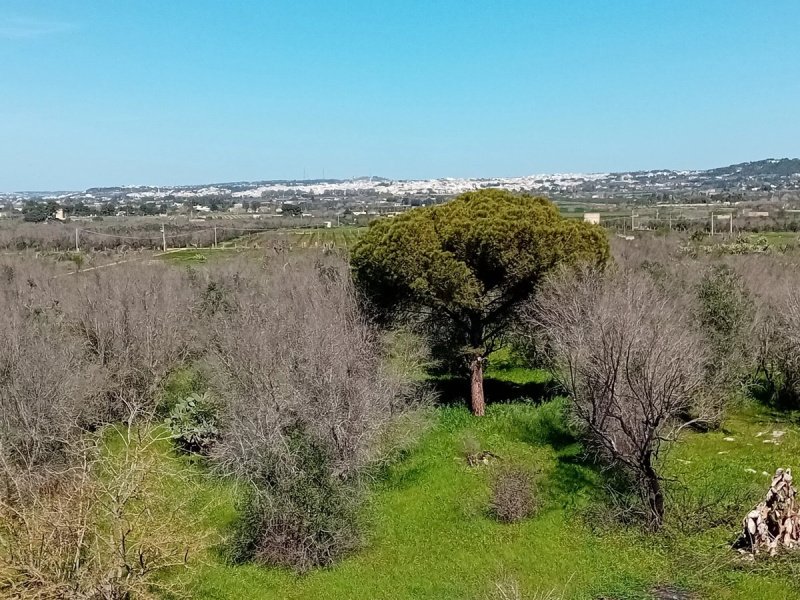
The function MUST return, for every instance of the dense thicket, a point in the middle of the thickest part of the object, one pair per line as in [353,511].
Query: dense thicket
[299,390]
[300,396]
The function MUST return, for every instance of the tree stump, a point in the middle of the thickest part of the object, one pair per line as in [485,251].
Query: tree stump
[774,524]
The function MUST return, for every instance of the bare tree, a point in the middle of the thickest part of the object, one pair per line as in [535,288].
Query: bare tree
[629,357]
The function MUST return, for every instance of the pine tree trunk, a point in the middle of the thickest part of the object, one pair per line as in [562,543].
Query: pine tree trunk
[476,386]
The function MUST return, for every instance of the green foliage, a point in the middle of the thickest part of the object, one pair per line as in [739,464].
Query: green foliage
[215,298]
[78,259]
[36,212]
[466,265]
[194,423]
[726,310]
[180,384]
[298,514]
[292,210]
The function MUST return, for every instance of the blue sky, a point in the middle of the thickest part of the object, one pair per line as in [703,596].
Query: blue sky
[112,92]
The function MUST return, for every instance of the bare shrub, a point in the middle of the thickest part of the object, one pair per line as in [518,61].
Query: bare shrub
[40,393]
[44,377]
[101,529]
[135,324]
[298,514]
[780,350]
[512,496]
[301,374]
[629,357]
[775,330]
[80,511]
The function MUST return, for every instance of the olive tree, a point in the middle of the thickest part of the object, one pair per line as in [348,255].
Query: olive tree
[466,266]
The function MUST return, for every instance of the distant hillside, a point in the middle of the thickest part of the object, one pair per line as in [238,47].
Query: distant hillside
[771,167]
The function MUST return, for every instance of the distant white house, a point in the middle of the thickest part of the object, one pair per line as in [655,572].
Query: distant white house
[593,218]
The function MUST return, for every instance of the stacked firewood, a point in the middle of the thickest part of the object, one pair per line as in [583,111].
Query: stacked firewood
[774,524]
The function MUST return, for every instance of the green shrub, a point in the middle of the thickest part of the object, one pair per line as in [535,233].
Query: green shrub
[194,423]
[725,310]
[725,313]
[180,384]
[298,514]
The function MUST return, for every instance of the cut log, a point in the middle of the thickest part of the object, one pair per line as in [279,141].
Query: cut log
[774,524]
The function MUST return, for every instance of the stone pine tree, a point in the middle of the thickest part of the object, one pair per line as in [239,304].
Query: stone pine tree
[465,267]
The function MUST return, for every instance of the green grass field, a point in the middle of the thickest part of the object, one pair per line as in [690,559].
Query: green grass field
[776,238]
[430,535]
[338,238]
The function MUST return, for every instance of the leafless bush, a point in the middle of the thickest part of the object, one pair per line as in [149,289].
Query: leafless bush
[774,331]
[633,254]
[80,351]
[117,234]
[629,357]
[135,324]
[307,397]
[43,377]
[102,529]
[780,349]
[296,350]
[513,495]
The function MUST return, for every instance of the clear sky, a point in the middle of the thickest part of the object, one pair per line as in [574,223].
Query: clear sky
[113,92]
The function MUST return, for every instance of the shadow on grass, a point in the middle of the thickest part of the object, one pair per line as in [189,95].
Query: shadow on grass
[576,479]
[455,391]
[780,400]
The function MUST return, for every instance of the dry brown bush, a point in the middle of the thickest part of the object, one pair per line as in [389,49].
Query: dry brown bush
[85,349]
[135,323]
[512,495]
[629,356]
[296,350]
[303,378]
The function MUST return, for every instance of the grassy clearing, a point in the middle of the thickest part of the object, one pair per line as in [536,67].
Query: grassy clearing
[201,255]
[775,238]
[251,244]
[431,536]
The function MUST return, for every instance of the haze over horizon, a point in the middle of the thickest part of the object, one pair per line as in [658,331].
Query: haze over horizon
[199,92]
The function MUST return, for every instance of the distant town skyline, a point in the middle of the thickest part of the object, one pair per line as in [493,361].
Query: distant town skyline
[187,92]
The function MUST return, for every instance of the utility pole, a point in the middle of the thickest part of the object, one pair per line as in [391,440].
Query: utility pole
[712,223]
[670,221]
[730,217]
[215,236]
[163,238]
[77,246]
[632,224]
